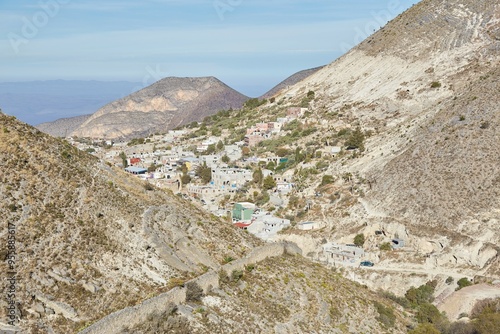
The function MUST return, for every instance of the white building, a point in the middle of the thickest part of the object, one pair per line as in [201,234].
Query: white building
[230,177]
[337,253]
[307,226]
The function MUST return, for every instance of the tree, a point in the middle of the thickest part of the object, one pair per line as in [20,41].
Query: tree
[356,140]
[257,176]
[271,165]
[359,240]
[225,159]
[210,149]
[488,323]
[123,156]
[204,173]
[428,313]
[185,178]
[152,167]
[281,152]
[268,182]
[220,145]
[463,282]
[245,151]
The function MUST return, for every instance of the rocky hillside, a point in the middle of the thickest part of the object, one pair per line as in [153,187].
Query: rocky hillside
[280,295]
[424,92]
[91,239]
[164,105]
[63,126]
[290,81]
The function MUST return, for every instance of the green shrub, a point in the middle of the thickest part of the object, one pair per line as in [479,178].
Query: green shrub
[399,300]
[385,315]
[327,179]
[421,295]
[249,268]
[359,240]
[428,313]
[386,246]
[228,259]
[355,140]
[424,329]
[463,282]
[236,275]
[268,182]
[435,84]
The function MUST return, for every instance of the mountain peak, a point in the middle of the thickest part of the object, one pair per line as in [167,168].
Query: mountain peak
[166,104]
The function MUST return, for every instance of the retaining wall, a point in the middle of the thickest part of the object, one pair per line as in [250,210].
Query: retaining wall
[136,315]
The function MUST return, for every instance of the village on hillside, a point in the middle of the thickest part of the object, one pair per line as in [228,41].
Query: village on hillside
[255,190]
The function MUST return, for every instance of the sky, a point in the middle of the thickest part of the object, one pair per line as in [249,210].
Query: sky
[251,45]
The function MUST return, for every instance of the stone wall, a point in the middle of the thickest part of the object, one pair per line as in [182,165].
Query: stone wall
[133,316]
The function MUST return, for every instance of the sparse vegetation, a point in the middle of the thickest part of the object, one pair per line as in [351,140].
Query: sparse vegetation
[435,84]
[359,240]
[193,292]
[463,282]
[386,246]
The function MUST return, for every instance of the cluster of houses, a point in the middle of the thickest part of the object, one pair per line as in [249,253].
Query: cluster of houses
[161,167]
[263,131]
[262,224]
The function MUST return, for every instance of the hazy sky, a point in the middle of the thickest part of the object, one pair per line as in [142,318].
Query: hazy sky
[251,45]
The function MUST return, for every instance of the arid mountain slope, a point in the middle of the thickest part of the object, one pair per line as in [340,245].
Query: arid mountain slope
[164,105]
[63,126]
[425,88]
[280,295]
[91,239]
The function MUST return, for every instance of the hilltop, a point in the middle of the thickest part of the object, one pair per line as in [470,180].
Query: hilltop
[290,81]
[164,105]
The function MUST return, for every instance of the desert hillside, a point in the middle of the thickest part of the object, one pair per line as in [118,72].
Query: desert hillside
[423,92]
[63,126]
[91,239]
[162,106]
